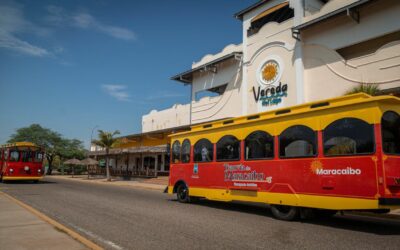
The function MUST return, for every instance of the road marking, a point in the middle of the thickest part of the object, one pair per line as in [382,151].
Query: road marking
[95,236]
[54,223]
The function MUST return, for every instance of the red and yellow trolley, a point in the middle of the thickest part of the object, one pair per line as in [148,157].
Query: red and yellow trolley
[337,154]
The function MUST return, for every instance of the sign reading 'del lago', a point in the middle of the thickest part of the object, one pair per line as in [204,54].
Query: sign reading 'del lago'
[271,90]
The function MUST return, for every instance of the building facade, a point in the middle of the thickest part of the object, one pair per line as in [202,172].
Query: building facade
[292,52]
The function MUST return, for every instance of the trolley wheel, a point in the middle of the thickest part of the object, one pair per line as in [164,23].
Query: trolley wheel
[282,212]
[182,193]
[35,181]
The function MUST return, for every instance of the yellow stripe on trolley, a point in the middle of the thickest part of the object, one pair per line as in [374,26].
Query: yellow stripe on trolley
[15,178]
[300,200]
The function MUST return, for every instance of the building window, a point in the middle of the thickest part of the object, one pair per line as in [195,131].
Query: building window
[259,145]
[217,91]
[176,152]
[297,141]
[185,155]
[228,148]
[203,151]
[348,136]
[391,132]
[278,14]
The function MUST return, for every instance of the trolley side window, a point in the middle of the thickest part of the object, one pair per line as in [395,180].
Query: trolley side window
[297,141]
[185,151]
[228,148]
[391,132]
[176,152]
[203,151]
[348,136]
[39,157]
[5,154]
[14,155]
[259,145]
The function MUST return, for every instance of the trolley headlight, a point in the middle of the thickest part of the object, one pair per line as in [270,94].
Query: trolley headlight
[26,168]
[11,170]
[39,170]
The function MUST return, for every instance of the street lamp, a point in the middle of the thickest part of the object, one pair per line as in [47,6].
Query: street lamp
[91,138]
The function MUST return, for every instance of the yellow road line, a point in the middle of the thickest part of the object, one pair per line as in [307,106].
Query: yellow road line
[54,223]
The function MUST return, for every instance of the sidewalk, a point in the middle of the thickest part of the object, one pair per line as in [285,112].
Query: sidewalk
[146,183]
[21,229]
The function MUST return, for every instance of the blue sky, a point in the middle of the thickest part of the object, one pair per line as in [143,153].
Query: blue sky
[72,65]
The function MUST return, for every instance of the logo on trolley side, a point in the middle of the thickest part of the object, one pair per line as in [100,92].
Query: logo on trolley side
[318,169]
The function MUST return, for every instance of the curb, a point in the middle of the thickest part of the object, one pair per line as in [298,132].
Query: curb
[88,243]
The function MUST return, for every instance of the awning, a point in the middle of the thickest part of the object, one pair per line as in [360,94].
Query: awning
[349,10]
[132,150]
[269,11]
[187,76]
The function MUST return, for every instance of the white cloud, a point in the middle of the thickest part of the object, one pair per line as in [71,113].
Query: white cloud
[117,91]
[84,20]
[12,24]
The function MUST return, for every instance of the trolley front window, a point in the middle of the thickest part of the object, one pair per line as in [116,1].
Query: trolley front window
[14,155]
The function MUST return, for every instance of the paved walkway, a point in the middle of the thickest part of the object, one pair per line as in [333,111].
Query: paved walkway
[21,229]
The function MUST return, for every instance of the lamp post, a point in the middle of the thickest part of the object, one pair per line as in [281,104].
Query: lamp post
[91,137]
[90,146]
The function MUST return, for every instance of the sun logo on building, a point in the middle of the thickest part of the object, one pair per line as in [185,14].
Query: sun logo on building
[270,71]
[315,166]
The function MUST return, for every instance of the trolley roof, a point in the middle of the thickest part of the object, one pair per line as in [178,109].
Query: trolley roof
[19,144]
[343,101]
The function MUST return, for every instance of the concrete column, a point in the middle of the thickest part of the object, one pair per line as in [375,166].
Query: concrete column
[155,165]
[298,7]
[163,162]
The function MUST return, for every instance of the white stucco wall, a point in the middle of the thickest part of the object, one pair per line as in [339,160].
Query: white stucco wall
[311,67]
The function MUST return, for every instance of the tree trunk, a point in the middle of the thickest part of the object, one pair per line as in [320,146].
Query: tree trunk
[107,166]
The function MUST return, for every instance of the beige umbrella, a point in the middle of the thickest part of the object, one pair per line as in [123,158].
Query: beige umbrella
[73,162]
[89,162]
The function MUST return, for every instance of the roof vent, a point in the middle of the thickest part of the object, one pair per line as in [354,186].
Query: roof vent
[321,104]
[281,112]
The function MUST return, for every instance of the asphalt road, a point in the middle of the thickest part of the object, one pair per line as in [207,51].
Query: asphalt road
[127,218]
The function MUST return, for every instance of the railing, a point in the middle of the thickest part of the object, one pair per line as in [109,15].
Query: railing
[124,173]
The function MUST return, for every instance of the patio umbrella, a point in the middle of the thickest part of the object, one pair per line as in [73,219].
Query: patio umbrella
[89,161]
[73,162]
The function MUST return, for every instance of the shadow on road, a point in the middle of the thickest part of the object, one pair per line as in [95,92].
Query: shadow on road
[378,226]
[23,182]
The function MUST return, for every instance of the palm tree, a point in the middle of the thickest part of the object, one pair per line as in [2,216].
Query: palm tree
[107,140]
[368,88]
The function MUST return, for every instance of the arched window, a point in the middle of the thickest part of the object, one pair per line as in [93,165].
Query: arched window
[176,152]
[297,141]
[348,136]
[391,132]
[185,155]
[203,151]
[259,145]
[228,148]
